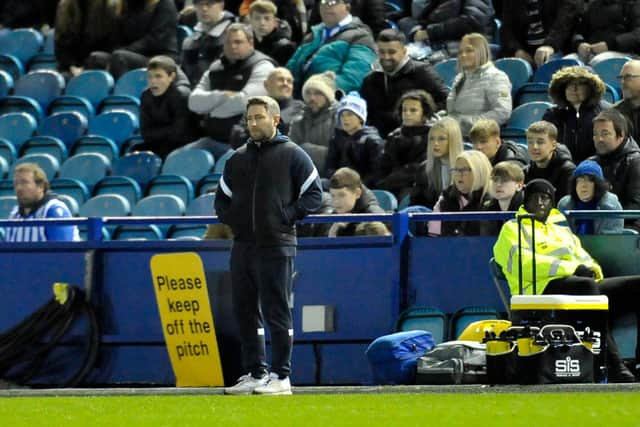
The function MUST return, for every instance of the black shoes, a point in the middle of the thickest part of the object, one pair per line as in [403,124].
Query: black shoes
[619,373]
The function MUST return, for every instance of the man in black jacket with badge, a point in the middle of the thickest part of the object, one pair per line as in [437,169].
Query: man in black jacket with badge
[268,184]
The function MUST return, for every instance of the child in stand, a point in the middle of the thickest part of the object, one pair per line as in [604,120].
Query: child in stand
[406,146]
[349,195]
[355,145]
[507,181]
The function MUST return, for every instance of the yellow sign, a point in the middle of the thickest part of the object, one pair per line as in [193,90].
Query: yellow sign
[187,322]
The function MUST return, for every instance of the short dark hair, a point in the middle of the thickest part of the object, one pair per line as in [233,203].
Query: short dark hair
[162,62]
[345,178]
[391,35]
[617,118]
[425,99]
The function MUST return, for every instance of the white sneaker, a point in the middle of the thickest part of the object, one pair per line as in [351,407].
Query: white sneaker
[246,385]
[275,386]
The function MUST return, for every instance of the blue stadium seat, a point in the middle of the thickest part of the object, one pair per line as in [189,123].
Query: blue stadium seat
[12,66]
[611,95]
[386,200]
[8,151]
[4,168]
[21,104]
[23,43]
[127,92]
[467,315]
[72,103]
[532,92]
[424,319]
[87,167]
[609,69]
[192,163]
[518,70]
[544,73]
[45,144]
[92,85]
[208,184]
[182,32]
[200,206]
[6,187]
[105,205]
[71,187]
[71,203]
[132,232]
[7,203]
[157,205]
[47,163]
[121,185]
[447,70]
[131,144]
[525,114]
[43,86]
[17,128]
[221,161]
[48,46]
[42,61]
[6,84]
[177,185]
[68,126]
[142,166]
[96,144]
[116,125]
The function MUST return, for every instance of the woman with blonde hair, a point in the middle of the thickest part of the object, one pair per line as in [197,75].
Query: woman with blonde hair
[468,192]
[480,90]
[433,176]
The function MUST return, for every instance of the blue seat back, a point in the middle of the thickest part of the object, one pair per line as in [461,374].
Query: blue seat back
[23,43]
[87,167]
[106,205]
[21,104]
[68,126]
[159,205]
[4,167]
[525,114]
[17,128]
[208,183]
[71,203]
[7,203]
[42,61]
[47,163]
[12,66]
[116,125]
[121,185]
[96,144]
[8,151]
[386,200]
[544,73]
[447,70]
[609,69]
[72,103]
[137,232]
[177,185]
[132,83]
[202,205]
[42,85]
[142,166]
[71,187]
[193,164]
[6,83]
[518,70]
[93,85]
[45,144]
[532,92]
[467,315]
[426,319]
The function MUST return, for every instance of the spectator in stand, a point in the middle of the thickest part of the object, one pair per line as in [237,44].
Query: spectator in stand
[355,145]
[590,191]
[538,30]
[468,192]
[371,12]
[272,36]
[293,12]
[406,147]
[349,195]
[629,106]
[314,128]
[619,157]
[485,136]
[206,44]
[35,201]
[577,95]
[165,120]
[549,160]
[480,90]
[146,28]
[433,175]
[507,181]
[82,27]
[341,43]
[442,23]
[608,25]
[221,96]
[279,86]
[373,228]
[383,88]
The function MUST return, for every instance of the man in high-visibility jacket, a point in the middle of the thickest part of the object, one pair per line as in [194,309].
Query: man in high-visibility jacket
[562,265]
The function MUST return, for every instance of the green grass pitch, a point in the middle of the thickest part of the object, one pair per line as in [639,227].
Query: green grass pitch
[426,409]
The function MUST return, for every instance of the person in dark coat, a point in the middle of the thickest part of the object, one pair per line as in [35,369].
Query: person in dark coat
[165,120]
[485,137]
[619,157]
[383,88]
[629,105]
[507,182]
[272,36]
[406,147]
[608,25]
[536,30]
[371,13]
[549,160]
[577,95]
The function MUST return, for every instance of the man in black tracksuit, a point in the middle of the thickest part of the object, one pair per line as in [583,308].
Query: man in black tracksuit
[268,184]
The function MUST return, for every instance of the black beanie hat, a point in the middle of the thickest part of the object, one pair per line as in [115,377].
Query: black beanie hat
[539,185]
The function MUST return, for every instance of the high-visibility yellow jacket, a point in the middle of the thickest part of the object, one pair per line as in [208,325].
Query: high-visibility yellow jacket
[558,252]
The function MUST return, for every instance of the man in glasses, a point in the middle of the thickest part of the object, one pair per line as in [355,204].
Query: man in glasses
[630,104]
[619,157]
[341,43]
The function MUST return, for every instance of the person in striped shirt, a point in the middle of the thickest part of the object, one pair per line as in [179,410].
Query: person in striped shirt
[35,201]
